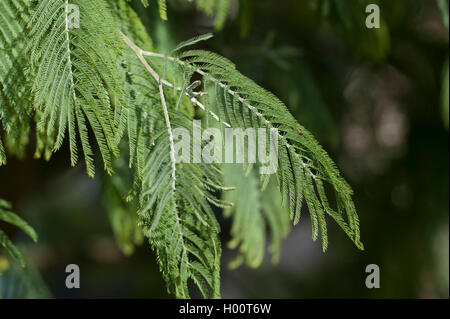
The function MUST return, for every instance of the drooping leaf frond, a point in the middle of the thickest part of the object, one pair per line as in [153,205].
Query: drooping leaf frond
[178,219]
[140,91]
[81,82]
[303,165]
[9,217]
[76,82]
[175,198]
[15,111]
[304,168]
[254,211]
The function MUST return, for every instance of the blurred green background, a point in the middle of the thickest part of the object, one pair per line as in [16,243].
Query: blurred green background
[376,99]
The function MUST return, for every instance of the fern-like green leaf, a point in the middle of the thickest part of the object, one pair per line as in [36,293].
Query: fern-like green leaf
[304,168]
[177,217]
[131,118]
[15,111]
[254,212]
[169,190]
[76,77]
[174,198]
[79,81]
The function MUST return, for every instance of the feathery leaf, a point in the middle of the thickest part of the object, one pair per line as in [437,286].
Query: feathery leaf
[76,80]
[304,168]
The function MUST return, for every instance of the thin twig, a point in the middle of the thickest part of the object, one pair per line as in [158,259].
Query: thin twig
[155,75]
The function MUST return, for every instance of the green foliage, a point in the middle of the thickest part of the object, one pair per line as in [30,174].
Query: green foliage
[86,82]
[76,78]
[178,219]
[14,100]
[254,211]
[9,217]
[304,168]
[131,117]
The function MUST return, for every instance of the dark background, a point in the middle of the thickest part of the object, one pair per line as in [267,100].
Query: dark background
[373,98]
